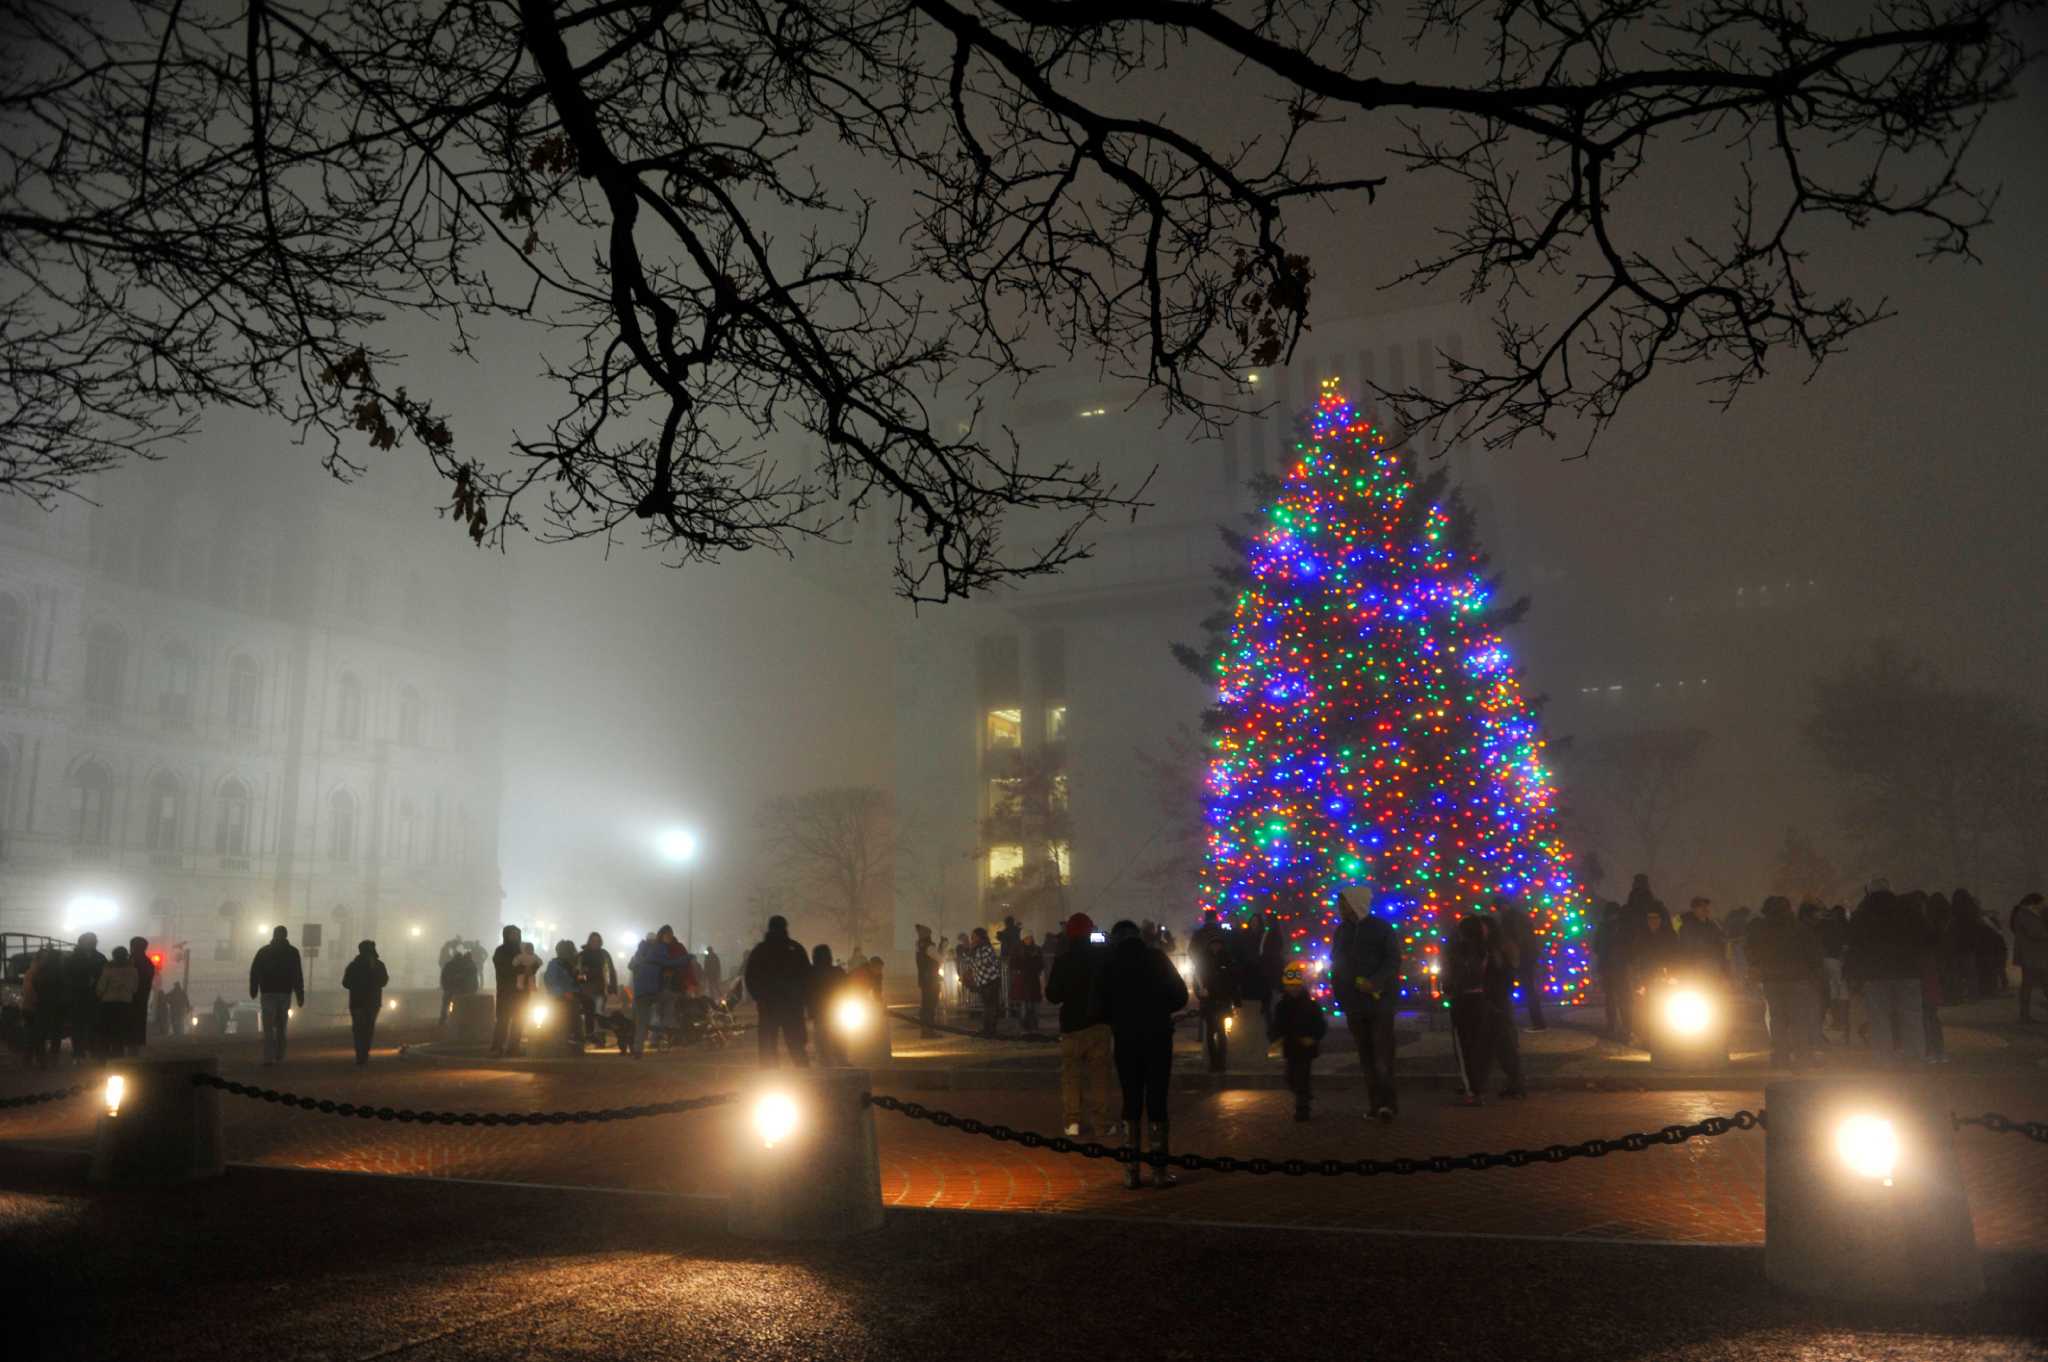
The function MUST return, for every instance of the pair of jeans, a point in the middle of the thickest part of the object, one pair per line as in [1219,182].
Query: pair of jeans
[508,1029]
[276,1008]
[1084,1076]
[991,1007]
[1300,1077]
[362,1024]
[788,1023]
[1372,1031]
[1144,1066]
[1894,1006]
[644,1008]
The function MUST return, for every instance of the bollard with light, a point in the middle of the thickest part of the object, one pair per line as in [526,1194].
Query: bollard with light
[537,1015]
[117,1090]
[852,1015]
[1688,1026]
[1688,1012]
[775,1118]
[1869,1145]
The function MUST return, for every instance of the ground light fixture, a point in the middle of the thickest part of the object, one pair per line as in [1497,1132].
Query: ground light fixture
[391,1005]
[117,1088]
[775,1117]
[851,1015]
[537,1015]
[1229,1022]
[1687,1012]
[1869,1145]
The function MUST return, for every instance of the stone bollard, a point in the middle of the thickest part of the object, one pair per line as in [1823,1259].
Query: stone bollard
[472,1017]
[1687,1026]
[824,1178]
[1833,1232]
[869,1046]
[168,1128]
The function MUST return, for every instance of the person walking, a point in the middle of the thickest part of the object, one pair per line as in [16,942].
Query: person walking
[1085,1038]
[986,969]
[778,978]
[137,1026]
[82,969]
[1521,944]
[1368,973]
[596,978]
[514,984]
[2029,924]
[115,992]
[1027,979]
[1297,1026]
[1886,941]
[365,979]
[458,980]
[1786,961]
[1141,993]
[927,957]
[276,978]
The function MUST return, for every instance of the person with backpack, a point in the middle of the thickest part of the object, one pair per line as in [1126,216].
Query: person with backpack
[365,979]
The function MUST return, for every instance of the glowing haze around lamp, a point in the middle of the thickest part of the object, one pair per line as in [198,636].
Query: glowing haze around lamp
[117,1088]
[86,912]
[537,1015]
[850,1015]
[1687,1012]
[678,846]
[1869,1145]
[775,1117]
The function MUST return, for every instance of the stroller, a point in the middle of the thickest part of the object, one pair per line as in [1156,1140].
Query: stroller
[692,1020]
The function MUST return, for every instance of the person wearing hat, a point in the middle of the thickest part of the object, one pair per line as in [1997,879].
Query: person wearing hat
[1297,1026]
[1085,1040]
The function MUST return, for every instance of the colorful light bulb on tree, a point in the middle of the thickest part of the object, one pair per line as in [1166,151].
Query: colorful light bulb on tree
[1369,729]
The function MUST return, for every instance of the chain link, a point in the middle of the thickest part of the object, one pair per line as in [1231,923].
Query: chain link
[1998,1124]
[37,1098]
[463,1118]
[1296,1167]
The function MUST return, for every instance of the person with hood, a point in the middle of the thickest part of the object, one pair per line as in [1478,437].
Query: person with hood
[1366,976]
[1886,943]
[82,970]
[563,990]
[115,991]
[514,992]
[42,1005]
[824,986]
[927,957]
[458,980]
[1085,1039]
[2029,926]
[365,979]
[1519,940]
[137,1032]
[985,970]
[1786,961]
[1141,993]
[276,978]
[778,980]
[1297,1026]
[596,978]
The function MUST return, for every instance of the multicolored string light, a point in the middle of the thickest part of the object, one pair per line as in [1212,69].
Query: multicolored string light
[1370,728]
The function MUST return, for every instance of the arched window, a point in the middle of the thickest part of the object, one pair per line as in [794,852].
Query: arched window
[341,826]
[174,701]
[92,805]
[106,659]
[348,708]
[13,640]
[245,684]
[406,841]
[409,717]
[231,819]
[166,810]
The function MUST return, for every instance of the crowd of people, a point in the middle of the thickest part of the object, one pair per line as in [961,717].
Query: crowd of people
[665,993]
[101,1002]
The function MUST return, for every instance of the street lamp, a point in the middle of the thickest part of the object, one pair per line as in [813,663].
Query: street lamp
[678,846]
[88,911]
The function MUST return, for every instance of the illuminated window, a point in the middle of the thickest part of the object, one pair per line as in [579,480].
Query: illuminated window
[1056,797]
[1004,862]
[1005,798]
[165,799]
[92,805]
[1056,724]
[1005,728]
[1063,857]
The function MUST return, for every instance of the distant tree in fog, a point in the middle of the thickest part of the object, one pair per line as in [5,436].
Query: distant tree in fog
[230,202]
[1802,873]
[835,850]
[1637,786]
[1941,784]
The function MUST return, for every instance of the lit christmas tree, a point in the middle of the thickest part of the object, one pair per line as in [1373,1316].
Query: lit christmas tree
[1369,729]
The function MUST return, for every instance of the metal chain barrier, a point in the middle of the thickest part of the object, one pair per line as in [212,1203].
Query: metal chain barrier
[38,1098]
[1225,1163]
[463,1118]
[2037,1131]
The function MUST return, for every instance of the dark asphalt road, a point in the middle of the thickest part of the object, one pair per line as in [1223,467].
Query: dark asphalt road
[289,1267]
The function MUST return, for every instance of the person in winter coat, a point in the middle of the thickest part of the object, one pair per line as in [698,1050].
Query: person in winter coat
[1027,972]
[778,980]
[365,979]
[1297,1026]
[1480,971]
[1886,943]
[985,973]
[515,990]
[1519,932]
[276,978]
[643,972]
[1702,946]
[145,986]
[82,969]
[826,984]
[2029,924]
[1216,980]
[714,972]
[1085,1039]
[1611,965]
[927,958]
[115,992]
[458,980]
[1141,992]
[564,989]
[1367,973]
[1786,960]
[42,1005]
[596,979]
